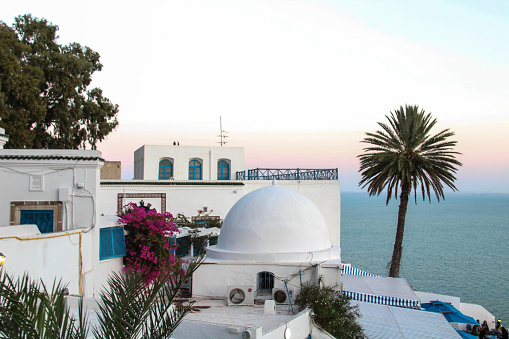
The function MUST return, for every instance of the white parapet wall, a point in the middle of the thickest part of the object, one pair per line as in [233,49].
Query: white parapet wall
[49,256]
[67,256]
[426,297]
[478,312]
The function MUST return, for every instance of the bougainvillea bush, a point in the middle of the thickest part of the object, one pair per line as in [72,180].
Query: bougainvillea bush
[148,251]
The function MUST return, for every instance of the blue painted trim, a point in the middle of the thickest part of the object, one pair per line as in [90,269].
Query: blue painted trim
[111,243]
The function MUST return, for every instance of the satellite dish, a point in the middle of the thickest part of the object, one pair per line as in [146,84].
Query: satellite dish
[237,296]
[280,296]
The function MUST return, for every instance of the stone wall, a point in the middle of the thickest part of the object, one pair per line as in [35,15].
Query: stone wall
[111,170]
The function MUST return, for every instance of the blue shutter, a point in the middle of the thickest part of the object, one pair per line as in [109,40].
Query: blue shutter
[173,241]
[112,243]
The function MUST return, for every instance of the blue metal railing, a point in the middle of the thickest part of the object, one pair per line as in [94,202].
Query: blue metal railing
[288,174]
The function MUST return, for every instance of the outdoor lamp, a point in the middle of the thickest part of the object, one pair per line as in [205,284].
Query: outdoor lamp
[2,259]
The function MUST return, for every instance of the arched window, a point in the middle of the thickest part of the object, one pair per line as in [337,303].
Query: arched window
[265,283]
[194,170]
[165,169]
[223,170]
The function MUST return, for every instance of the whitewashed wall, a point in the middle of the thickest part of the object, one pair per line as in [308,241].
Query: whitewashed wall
[81,208]
[181,197]
[300,327]
[65,256]
[245,274]
[147,157]
[56,255]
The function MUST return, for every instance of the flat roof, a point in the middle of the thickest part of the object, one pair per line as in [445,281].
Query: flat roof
[240,316]
[391,322]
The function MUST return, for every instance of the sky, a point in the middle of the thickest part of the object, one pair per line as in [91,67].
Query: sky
[297,83]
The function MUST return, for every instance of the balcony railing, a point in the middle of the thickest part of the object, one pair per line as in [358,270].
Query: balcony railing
[288,174]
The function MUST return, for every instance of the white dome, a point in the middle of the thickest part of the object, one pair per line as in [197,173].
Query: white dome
[274,224]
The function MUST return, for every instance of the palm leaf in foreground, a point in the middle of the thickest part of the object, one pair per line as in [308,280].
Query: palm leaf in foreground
[29,310]
[130,309]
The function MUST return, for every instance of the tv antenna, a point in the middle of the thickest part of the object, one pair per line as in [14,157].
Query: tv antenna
[222,134]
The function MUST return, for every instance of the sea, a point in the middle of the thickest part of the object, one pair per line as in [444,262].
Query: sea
[458,246]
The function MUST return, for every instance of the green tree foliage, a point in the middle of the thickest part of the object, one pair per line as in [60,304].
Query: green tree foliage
[404,155]
[129,308]
[45,101]
[332,310]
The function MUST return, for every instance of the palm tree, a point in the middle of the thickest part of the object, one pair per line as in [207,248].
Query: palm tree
[403,155]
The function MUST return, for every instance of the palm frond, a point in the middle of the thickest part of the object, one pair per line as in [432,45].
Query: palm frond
[29,310]
[131,309]
[404,151]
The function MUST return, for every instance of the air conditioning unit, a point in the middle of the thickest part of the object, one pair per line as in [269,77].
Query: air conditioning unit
[240,295]
[280,296]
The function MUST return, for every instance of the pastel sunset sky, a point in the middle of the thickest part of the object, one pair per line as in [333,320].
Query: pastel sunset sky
[297,83]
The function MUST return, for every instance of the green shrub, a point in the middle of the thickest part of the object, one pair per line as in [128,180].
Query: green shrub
[332,310]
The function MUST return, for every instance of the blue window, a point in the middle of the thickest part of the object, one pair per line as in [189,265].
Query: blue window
[42,218]
[194,170]
[183,246]
[223,170]
[265,283]
[165,169]
[112,243]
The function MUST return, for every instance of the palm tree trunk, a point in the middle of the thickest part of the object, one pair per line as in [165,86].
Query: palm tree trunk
[398,242]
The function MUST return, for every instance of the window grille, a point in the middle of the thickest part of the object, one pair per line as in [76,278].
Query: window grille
[112,243]
[42,218]
[265,283]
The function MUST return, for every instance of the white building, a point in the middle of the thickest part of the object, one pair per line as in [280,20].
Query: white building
[164,162]
[57,190]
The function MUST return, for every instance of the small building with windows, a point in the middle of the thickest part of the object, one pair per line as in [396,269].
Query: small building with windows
[174,162]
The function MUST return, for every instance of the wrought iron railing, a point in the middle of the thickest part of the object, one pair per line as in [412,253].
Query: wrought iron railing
[288,174]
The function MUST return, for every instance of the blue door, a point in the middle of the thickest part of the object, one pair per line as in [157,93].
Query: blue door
[43,219]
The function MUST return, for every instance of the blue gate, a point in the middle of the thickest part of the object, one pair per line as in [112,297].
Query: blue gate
[43,219]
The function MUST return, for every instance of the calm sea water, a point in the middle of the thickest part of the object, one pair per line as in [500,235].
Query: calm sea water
[457,247]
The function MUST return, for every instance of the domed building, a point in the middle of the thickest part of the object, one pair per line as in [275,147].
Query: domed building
[273,238]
